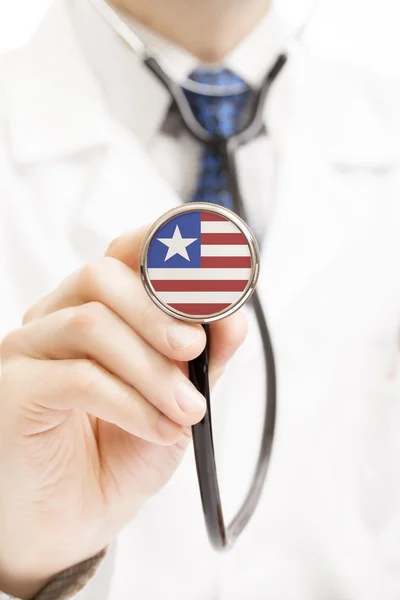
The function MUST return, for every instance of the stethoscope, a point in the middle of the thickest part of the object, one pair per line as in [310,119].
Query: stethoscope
[221,535]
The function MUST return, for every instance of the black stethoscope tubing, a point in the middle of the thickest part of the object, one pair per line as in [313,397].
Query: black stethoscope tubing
[223,537]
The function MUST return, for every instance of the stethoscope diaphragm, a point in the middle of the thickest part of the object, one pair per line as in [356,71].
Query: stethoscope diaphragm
[199,262]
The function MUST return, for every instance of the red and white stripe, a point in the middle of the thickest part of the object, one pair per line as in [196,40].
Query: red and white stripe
[224,273]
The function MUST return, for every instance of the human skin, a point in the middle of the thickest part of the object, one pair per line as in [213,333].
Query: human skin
[95,414]
[208,29]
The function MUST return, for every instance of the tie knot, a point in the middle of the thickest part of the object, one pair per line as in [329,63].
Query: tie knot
[221,110]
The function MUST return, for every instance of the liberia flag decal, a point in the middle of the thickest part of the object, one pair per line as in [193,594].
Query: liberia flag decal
[199,262]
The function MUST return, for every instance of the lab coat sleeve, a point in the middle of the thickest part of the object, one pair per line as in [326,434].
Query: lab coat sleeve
[69,582]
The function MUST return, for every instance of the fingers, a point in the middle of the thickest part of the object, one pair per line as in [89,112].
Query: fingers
[65,385]
[136,349]
[93,331]
[227,335]
[113,284]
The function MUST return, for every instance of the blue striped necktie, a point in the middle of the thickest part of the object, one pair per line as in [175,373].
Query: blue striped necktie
[220,115]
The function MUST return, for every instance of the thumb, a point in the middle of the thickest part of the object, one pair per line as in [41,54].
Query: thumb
[126,247]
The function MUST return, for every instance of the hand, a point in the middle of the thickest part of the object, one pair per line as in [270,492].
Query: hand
[95,414]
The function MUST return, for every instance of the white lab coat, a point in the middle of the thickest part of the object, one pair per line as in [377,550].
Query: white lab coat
[328,526]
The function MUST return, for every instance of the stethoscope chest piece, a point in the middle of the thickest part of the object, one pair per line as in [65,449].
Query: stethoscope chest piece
[199,262]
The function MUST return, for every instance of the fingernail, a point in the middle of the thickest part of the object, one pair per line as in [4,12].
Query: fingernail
[181,336]
[188,398]
[167,429]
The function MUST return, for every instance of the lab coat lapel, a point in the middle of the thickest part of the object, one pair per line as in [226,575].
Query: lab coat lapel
[310,225]
[124,191]
[57,112]
[54,105]
[323,138]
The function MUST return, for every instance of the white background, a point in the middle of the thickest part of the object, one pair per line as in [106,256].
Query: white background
[365,31]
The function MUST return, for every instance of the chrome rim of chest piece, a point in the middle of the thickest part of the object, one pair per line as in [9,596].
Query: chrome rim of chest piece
[199,262]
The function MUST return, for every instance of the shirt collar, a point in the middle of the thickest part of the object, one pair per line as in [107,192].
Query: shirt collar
[121,73]
[63,93]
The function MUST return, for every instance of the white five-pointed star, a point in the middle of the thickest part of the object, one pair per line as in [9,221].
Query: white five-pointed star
[177,244]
